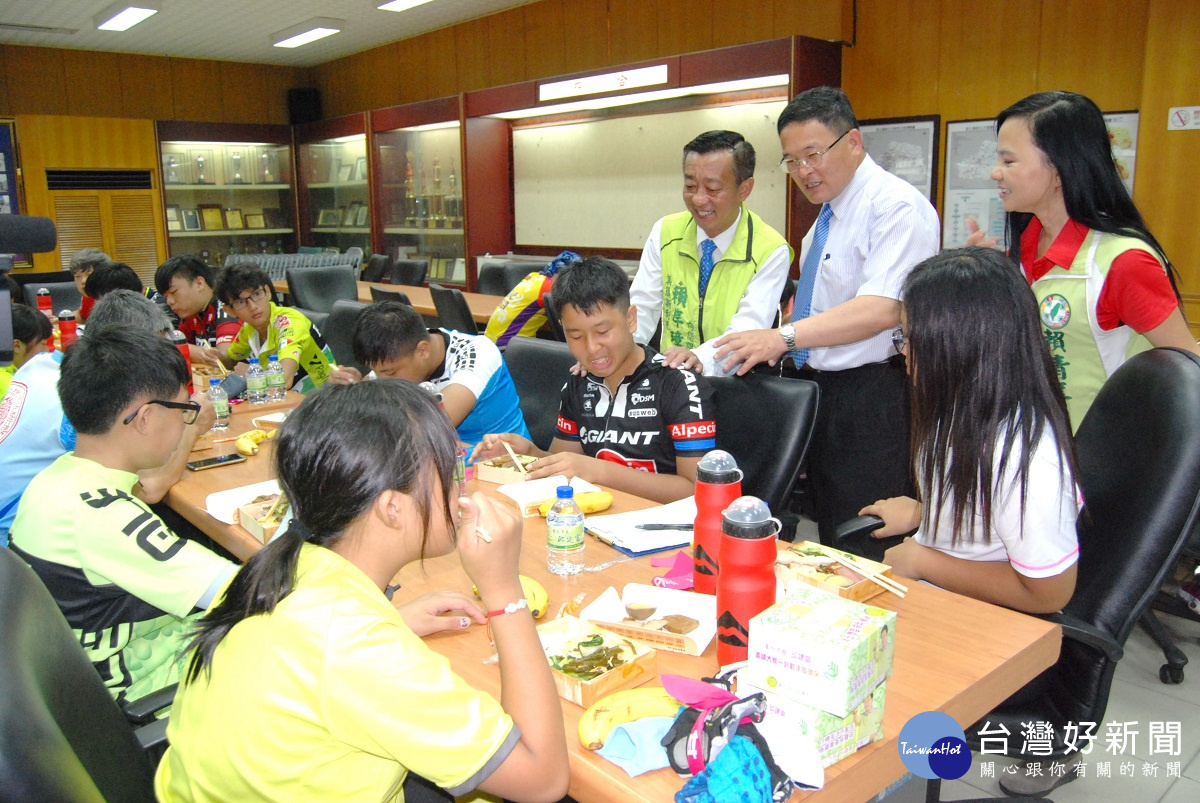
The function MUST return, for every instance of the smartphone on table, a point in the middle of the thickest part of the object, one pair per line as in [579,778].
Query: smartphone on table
[213,462]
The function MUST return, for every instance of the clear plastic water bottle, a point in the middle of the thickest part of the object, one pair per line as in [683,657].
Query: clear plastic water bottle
[256,383]
[220,403]
[275,379]
[564,534]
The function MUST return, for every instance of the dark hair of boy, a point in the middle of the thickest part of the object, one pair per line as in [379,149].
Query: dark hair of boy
[826,105]
[387,331]
[15,291]
[713,141]
[239,278]
[112,367]
[189,266]
[590,284]
[117,276]
[30,326]
[127,308]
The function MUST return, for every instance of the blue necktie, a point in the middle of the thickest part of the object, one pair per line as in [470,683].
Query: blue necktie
[808,278]
[706,265]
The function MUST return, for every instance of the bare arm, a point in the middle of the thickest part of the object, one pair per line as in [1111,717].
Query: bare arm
[458,401]
[567,457]
[153,484]
[1173,332]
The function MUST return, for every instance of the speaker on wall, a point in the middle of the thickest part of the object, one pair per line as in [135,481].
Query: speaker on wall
[304,105]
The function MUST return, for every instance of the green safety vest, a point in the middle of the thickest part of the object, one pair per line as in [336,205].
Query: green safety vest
[688,320]
[1084,354]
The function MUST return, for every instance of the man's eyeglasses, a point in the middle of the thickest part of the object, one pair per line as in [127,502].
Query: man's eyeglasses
[241,303]
[812,160]
[899,340]
[191,410]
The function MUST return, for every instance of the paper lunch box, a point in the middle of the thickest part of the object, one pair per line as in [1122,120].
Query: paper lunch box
[608,611]
[555,636]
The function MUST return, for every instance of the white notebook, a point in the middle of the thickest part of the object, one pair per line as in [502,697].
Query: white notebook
[619,530]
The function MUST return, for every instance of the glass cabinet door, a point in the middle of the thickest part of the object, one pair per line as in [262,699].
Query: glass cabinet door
[228,198]
[421,197]
[338,202]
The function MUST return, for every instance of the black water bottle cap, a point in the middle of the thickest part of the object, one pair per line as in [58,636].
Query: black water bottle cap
[748,517]
[717,468]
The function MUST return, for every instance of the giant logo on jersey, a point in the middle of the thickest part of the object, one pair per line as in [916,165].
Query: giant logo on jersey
[613,456]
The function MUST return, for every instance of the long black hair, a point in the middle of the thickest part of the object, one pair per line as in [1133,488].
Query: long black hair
[336,453]
[982,377]
[1069,129]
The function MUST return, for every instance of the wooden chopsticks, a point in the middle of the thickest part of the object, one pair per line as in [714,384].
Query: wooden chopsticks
[881,580]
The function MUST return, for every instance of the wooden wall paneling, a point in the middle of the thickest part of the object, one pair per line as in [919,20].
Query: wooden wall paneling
[241,91]
[377,84]
[685,26]
[1165,185]
[1096,49]
[37,81]
[333,80]
[820,19]
[593,49]
[979,71]
[5,98]
[475,54]
[507,47]
[739,23]
[148,88]
[442,77]
[893,69]
[814,63]
[545,39]
[79,221]
[413,68]
[633,31]
[197,86]
[276,84]
[487,189]
[93,83]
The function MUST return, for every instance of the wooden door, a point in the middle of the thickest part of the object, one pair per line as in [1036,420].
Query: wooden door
[122,223]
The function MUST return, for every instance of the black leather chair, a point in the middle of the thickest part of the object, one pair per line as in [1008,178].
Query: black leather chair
[499,279]
[452,309]
[539,369]
[552,315]
[378,295]
[410,271]
[1139,469]
[1169,603]
[339,332]
[766,423]
[62,736]
[376,267]
[63,295]
[313,290]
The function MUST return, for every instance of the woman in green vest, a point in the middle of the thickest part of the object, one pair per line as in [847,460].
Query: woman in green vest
[1104,285]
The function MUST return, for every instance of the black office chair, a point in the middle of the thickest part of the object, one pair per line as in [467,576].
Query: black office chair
[552,315]
[1139,469]
[339,332]
[63,295]
[376,267]
[43,277]
[411,272]
[62,736]
[539,369]
[452,309]
[498,279]
[313,290]
[379,295]
[1168,603]
[766,423]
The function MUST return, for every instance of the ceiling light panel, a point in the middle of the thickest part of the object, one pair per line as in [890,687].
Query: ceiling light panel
[306,32]
[123,16]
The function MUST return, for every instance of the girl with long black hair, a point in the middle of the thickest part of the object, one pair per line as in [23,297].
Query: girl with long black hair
[992,447]
[1104,285]
[307,683]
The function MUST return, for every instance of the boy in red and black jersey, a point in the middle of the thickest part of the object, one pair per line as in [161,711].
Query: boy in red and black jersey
[630,423]
[187,284]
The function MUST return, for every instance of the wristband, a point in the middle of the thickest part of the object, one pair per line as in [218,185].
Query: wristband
[512,607]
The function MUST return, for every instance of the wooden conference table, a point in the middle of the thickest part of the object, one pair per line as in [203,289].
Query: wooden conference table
[953,654]
[481,305]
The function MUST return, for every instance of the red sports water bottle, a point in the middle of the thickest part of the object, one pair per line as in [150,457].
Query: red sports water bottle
[718,483]
[67,332]
[181,343]
[746,584]
[45,304]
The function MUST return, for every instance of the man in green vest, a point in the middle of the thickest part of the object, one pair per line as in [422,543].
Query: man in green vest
[714,269]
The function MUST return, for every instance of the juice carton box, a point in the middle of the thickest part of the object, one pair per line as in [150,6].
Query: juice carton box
[833,737]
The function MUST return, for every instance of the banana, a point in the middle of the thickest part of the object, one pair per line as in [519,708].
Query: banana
[621,707]
[535,595]
[247,442]
[589,502]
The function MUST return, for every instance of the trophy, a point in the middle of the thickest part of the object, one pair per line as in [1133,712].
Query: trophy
[235,161]
[200,178]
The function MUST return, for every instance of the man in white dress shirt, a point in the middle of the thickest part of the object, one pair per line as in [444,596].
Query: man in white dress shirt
[717,267]
[872,229]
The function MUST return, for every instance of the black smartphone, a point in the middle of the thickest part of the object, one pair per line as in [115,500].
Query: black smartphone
[213,462]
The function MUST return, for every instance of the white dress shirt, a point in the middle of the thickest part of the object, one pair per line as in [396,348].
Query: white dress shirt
[758,306]
[880,229]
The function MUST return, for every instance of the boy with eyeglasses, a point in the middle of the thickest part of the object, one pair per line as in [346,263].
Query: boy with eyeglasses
[129,587]
[268,328]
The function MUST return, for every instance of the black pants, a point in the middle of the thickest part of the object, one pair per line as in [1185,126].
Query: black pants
[860,445]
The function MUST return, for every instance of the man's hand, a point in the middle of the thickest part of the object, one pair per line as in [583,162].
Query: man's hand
[578,370]
[680,357]
[426,614]
[207,417]
[207,355]
[570,464]
[492,445]
[344,375]
[977,236]
[900,514]
[749,348]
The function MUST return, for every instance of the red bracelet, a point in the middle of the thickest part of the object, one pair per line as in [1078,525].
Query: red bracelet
[511,607]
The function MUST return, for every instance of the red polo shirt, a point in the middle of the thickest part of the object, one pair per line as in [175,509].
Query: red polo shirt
[1136,290]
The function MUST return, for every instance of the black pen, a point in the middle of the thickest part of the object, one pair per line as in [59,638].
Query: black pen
[662,526]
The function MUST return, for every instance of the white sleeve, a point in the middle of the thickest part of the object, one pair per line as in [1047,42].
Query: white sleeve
[900,237]
[472,362]
[646,291]
[1046,545]
[756,310]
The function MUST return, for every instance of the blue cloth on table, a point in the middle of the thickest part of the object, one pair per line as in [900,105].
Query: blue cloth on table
[737,775]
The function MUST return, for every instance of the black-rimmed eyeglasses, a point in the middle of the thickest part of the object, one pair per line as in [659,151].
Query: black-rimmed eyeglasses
[191,410]
[899,340]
